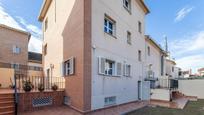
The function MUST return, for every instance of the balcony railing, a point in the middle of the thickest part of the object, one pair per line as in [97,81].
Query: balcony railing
[166,83]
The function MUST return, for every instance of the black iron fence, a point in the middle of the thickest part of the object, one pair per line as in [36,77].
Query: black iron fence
[166,83]
[36,82]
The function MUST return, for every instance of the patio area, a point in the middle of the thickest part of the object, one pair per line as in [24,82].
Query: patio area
[65,110]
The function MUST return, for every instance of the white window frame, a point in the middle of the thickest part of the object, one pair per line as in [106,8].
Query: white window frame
[16,49]
[139,55]
[129,39]
[127,70]
[108,68]
[69,67]
[148,51]
[128,8]
[104,67]
[139,27]
[107,29]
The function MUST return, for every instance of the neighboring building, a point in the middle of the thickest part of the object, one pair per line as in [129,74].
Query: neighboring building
[14,56]
[99,47]
[35,64]
[187,73]
[13,52]
[13,45]
[201,72]
[170,68]
[155,61]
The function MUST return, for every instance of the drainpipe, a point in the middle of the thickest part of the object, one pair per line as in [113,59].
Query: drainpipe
[16,96]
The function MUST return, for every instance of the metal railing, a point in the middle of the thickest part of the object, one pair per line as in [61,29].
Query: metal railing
[165,83]
[168,83]
[36,81]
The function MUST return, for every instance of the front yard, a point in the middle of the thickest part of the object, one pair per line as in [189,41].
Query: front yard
[192,108]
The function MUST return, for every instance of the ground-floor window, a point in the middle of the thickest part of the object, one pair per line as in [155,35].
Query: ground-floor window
[110,100]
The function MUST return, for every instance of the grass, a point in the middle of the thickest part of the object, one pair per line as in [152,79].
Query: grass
[192,108]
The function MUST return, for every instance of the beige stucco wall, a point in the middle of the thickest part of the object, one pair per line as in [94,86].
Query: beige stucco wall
[5,76]
[192,88]
[65,38]
[8,39]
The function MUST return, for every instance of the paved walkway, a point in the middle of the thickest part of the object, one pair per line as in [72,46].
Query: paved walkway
[64,110]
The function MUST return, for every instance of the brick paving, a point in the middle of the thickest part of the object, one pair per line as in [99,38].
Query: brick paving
[64,110]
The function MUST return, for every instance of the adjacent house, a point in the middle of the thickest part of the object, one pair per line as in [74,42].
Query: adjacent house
[98,46]
[155,61]
[14,56]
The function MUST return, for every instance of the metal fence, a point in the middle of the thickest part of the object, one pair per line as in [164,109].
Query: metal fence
[36,81]
[168,83]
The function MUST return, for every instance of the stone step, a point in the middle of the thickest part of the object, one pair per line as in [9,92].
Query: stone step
[2,99]
[6,103]
[7,108]
[6,95]
[7,113]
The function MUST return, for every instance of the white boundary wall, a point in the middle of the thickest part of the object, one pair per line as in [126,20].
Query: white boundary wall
[192,88]
[160,94]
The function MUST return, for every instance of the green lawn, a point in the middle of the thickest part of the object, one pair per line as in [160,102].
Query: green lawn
[192,108]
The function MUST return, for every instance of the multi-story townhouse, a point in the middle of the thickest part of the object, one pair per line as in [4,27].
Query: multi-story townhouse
[99,47]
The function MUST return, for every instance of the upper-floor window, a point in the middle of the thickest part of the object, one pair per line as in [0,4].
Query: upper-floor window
[129,40]
[139,55]
[69,66]
[148,51]
[109,26]
[139,27]
[16,49]
[172,69]
[45,49]
[46,24]
[127,4]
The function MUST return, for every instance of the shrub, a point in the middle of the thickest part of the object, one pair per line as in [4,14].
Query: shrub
[54,87]
[41,87]
[27,86]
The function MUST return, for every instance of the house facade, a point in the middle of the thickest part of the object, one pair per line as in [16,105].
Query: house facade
[98,47]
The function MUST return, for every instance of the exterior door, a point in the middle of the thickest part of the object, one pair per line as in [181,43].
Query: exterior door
[139,90]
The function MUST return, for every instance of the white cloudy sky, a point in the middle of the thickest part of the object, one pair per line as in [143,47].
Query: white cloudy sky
[182,21]
[18,22]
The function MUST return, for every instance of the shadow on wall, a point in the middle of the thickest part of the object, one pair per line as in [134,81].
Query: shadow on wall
[77,43]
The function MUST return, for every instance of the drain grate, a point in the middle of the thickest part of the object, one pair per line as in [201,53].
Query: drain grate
[44,101]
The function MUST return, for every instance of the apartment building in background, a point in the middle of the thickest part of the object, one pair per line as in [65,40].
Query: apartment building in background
[98,46]
[201,72]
